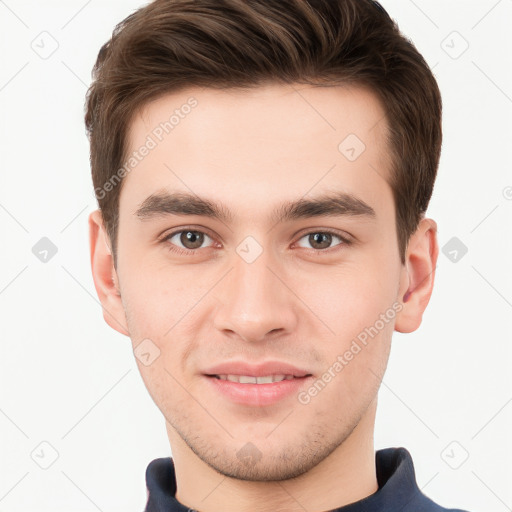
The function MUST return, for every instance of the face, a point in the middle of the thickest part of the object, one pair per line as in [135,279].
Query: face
[257,278]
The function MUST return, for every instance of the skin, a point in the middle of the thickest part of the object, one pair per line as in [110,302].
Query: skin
[252,151]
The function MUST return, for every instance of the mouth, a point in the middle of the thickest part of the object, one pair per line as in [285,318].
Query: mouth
[257,391]
[249,379]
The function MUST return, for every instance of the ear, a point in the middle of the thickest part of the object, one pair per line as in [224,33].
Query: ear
[104,274]
[417,277]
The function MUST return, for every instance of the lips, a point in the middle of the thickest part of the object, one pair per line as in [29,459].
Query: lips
[256,370]
[256,395]
[244,379]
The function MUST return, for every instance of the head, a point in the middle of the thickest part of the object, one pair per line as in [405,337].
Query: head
[262,171]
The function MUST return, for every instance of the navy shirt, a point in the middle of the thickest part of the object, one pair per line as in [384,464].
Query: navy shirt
[397,492]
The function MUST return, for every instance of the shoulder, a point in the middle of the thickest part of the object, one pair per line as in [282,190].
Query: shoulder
[397,483]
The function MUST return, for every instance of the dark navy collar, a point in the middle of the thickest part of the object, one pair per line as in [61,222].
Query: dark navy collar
[398,490]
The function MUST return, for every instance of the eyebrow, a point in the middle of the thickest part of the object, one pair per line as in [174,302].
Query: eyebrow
[332,205]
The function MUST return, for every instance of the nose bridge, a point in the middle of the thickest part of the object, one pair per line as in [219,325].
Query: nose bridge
[255,301]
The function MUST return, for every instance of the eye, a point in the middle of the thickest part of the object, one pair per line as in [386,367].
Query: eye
[322,240]
[186,241]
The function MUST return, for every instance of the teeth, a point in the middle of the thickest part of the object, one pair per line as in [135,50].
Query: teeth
[246,379]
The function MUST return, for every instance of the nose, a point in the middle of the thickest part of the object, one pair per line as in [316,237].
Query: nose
[256,301]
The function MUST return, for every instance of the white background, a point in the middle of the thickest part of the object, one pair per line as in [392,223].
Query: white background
[69,380]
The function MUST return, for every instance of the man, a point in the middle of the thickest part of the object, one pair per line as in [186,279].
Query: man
[263,171]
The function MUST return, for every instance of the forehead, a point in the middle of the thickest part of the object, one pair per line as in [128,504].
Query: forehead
[259,145]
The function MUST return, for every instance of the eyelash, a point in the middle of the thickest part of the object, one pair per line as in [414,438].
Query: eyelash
[191,252]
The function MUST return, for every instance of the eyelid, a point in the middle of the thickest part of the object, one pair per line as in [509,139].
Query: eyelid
[331,231]
[169,234]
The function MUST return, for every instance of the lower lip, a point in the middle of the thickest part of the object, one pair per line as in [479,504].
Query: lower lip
[258,394]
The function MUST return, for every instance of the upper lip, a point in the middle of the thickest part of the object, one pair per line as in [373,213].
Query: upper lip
[257,370]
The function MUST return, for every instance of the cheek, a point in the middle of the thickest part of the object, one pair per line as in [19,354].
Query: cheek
[350,298]
[155,299]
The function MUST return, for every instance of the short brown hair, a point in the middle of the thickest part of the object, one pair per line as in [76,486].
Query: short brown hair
[170,45]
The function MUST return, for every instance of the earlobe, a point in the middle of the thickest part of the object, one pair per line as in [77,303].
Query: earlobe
[105,275]
[417,279]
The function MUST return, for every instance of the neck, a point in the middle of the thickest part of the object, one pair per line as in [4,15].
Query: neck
[345,476]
